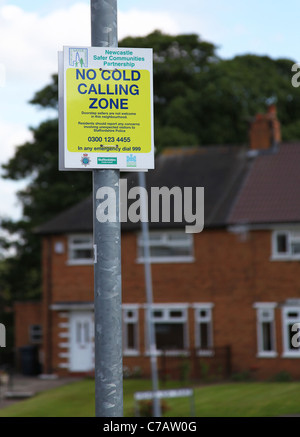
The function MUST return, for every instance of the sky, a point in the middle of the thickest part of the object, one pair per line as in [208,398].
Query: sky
[33,31]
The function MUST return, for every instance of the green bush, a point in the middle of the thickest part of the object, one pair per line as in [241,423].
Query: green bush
[204,370]
[185,369]
[243,376]
[282,376]
[146,408]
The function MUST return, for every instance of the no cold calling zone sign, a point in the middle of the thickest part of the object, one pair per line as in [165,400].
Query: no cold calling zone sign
[106,108]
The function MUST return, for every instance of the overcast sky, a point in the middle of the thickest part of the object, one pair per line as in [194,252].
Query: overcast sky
[33,31]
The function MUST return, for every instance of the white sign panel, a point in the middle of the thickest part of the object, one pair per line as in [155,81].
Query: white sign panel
[144,395]
[106,108]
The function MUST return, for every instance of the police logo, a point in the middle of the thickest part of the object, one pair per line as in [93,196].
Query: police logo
[85,159]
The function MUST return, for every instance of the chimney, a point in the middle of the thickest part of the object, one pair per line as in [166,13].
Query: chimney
[265,130]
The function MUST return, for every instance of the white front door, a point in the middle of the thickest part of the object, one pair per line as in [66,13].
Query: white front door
[81,341]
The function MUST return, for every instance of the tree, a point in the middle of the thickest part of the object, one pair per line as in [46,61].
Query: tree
[199,99]
[177,62]
[48,192]
[233,91]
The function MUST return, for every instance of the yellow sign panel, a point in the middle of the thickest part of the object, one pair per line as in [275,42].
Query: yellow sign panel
[108,110]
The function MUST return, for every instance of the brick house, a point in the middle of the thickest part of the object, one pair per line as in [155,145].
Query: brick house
[227,297]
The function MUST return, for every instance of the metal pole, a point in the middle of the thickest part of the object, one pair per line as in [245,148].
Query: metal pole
[149,295]
[107,246]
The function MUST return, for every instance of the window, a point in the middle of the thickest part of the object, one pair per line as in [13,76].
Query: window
[266,343]
[35,334]
[130,330]
[82,333]
[80,249]
[203,328]
[286,245]
[167,246]
[170,327]
[290,316]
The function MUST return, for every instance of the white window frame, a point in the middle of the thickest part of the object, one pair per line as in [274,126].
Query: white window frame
[134,319]
[287,320]
[292,236]
[166,318]
[73,246]
[265,313]
[165,241]
[200,319]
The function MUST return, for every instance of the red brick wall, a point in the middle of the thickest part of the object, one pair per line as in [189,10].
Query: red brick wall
[47,254]
[228,272]
[265,129]
[60,341]
[26,314]
[61,283]
[70,282]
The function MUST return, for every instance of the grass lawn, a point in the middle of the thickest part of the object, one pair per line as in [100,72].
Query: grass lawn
[250,399]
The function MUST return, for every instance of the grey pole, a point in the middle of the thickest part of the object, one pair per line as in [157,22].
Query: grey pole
[149,296]
[107,247]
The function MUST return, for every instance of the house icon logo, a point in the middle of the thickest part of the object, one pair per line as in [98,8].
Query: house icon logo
[78,57]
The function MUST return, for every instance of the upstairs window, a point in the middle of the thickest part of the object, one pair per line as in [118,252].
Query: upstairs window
[80,249]
[167,246]
[286,245]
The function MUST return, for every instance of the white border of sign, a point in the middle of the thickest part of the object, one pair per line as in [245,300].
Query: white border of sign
[70,161]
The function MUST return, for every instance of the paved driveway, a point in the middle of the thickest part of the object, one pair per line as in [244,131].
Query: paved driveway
[23,387]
